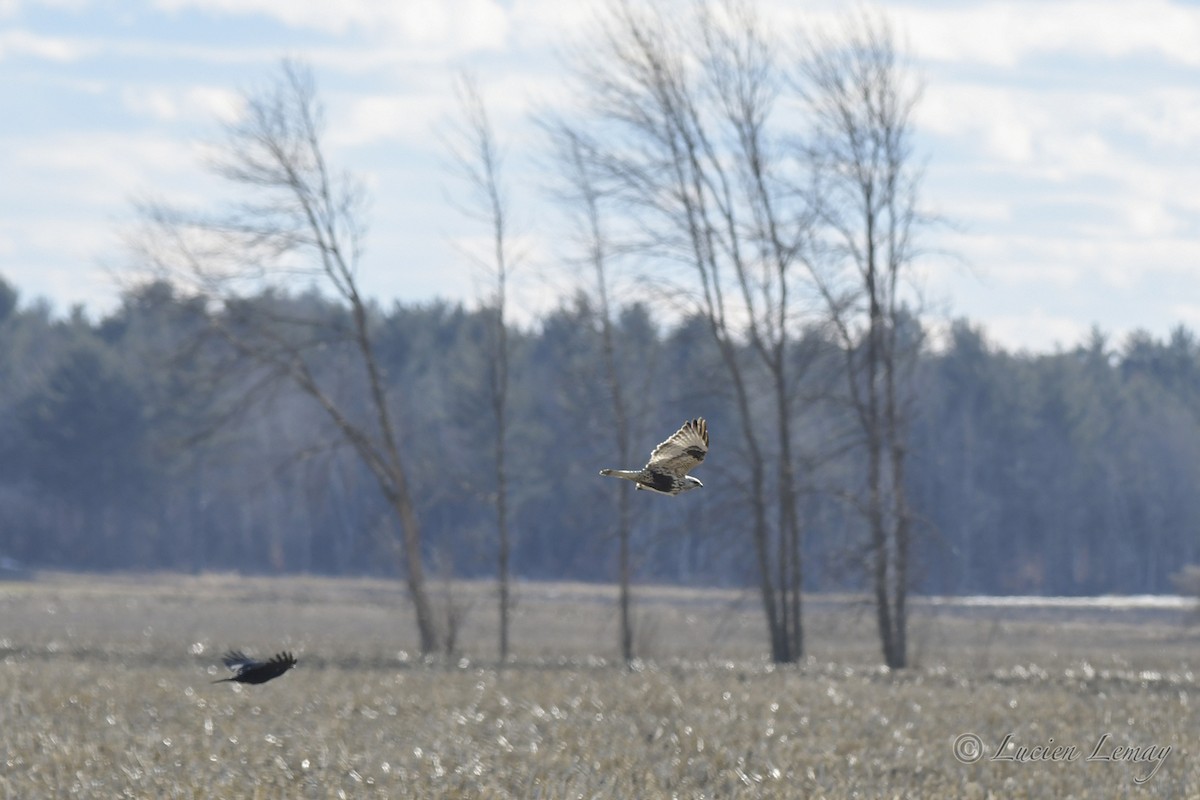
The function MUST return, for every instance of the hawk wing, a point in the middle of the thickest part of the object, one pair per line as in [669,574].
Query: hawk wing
[686,448]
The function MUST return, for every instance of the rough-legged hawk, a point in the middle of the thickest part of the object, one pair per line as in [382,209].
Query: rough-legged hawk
[250,670]
[667,470]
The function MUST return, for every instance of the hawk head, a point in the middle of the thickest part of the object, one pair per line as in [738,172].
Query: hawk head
[688,483]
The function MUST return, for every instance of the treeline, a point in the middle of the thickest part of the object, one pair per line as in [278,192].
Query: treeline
[134,442]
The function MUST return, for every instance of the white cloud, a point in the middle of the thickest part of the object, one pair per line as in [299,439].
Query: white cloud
[456,25]
[1149,218]
[16,42]
[415,116]
[1164,116]
[1011,260]
[89,237]
[1186,313]
[1005,33]
[76,178]
[1092,160]
[174,103]
[114,160]
[1062,132]
[59,259]
[1036,330]
[1001,118]
[408,117]
[212,102]
[1112,258]
[542,22]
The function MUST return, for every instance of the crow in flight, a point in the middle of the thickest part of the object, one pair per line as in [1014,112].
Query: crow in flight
[249,670]
[667,470]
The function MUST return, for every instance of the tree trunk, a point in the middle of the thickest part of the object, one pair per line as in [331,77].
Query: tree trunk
[789,528]
[414,569]
[503,558]
[625,571]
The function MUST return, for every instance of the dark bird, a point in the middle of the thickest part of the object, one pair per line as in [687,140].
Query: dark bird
[250,670]
[667,470]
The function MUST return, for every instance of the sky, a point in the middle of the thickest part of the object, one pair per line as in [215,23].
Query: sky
[1060,142]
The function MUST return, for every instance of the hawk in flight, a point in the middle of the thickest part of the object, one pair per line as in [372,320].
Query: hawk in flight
[250,670]
[667,470]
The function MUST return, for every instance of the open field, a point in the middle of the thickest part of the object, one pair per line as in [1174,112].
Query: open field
[105,691]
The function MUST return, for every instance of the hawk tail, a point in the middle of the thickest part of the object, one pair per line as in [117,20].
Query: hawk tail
[627,474]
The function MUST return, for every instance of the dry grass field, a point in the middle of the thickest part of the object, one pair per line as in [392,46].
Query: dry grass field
[105,691]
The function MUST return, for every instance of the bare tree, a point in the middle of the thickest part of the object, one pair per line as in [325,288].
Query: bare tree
[677,115]
[861,98]
[299,225]
[585,194]
[478,160]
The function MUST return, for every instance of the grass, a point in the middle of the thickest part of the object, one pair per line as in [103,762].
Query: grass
[105,691]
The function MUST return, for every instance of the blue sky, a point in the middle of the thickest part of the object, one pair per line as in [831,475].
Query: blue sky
[1062,139]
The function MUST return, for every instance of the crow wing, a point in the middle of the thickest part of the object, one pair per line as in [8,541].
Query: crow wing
[250,670]
[237,661]
[680,453]
[261,673]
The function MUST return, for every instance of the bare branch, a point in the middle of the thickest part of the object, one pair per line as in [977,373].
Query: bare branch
[294,221]
[478,161]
